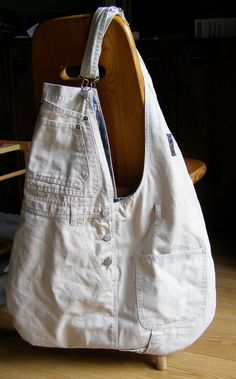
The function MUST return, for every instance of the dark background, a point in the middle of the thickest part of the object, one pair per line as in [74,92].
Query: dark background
[149,17]
[195,82]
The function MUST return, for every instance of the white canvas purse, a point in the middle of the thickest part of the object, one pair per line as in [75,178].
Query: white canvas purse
[89,269]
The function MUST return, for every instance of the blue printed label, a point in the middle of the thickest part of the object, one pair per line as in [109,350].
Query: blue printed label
[171,144]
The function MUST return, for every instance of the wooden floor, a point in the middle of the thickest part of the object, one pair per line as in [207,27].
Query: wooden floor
[212,356]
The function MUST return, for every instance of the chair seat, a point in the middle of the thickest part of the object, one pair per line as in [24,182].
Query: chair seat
[196,169]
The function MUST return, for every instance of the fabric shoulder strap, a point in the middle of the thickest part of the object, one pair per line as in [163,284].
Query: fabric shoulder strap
[100,22]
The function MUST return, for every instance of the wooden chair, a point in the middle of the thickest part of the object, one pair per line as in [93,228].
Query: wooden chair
[5,148]
[8,147]
[58,47]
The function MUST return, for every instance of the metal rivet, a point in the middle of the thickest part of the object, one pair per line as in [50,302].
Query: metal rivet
[85,118]
[84,94]
[77,126]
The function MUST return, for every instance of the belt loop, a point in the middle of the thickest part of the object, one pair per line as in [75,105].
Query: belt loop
[157,214]
[73,215]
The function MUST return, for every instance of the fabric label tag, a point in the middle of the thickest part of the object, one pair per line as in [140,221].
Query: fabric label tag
[171,144]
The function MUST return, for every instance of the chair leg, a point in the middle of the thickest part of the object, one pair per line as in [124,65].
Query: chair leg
[161,362]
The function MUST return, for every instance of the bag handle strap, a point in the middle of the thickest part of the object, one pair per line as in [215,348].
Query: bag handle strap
[100,22]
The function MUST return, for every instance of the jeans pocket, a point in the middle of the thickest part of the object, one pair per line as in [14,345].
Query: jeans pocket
[58,152]
[171,288]
[45,209]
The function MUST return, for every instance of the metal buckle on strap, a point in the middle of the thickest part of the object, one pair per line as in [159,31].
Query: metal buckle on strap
[88,82]
[86,86]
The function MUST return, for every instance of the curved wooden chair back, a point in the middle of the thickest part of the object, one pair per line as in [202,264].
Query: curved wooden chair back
[58,47]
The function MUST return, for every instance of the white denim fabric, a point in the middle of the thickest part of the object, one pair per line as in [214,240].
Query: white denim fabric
[89,269]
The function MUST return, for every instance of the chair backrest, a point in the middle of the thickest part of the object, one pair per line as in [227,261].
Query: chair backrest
[59,44]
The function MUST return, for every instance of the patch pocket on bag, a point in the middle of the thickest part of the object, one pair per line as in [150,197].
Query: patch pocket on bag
[171,288]
[58,152]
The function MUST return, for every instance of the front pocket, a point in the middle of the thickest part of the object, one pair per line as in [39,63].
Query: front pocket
[58,152]
[171,288]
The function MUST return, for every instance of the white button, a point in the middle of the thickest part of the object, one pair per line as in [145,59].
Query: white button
[105,212]
[107,261]
[107,237]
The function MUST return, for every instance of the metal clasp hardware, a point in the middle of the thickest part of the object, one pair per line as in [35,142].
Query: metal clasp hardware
[94,81]
[86,86]
[87,82]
